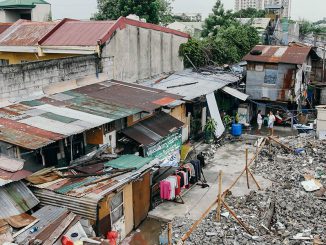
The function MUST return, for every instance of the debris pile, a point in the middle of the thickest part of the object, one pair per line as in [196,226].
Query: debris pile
[286,213]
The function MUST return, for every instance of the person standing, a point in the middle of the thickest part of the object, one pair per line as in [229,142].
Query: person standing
[259,122]
[271,120]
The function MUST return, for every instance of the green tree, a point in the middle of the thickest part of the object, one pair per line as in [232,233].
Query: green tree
[154,11]
[305,28]
[250,13]
[217,19]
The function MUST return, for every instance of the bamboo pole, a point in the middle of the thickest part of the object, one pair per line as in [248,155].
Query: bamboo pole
[236,218]
[247,174]
[169,233]
[219,199]
[253,177]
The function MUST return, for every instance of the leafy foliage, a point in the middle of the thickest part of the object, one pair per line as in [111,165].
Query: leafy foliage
[250,13]
[154,11]
[224,40]
[228,46]
[217,19]
[307,27]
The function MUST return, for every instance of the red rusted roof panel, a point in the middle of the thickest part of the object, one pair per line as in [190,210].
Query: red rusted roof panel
[79,33]
[4,26]
[126,94]
[279,54]
[25,33]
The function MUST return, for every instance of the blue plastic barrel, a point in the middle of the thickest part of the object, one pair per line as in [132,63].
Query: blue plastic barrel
[236,129]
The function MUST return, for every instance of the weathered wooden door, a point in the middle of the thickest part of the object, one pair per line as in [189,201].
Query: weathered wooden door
[141,198]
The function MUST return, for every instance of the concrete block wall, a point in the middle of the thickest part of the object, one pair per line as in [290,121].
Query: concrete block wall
[28,78]
[139,53]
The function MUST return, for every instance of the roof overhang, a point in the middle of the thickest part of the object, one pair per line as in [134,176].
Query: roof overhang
[19,49]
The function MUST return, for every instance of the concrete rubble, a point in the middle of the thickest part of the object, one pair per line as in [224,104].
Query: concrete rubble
[297,216]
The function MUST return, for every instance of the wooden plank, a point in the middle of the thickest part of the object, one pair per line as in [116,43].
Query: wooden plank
[60,229]
[281,144]
[268,214]
[24,229]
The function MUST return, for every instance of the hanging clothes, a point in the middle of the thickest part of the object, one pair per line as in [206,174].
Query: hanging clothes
[174,184]
[197,168]
[180,174]
[165,189]
[178,189]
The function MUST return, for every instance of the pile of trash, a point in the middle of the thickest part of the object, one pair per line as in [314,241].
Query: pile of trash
[291,211]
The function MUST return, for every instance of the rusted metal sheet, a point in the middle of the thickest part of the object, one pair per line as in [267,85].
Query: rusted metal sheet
[287,84]
[21,220]
[8,177]
[79,33]
[4,26]
[126,94]
[25,140]
[24,128]
[279,54]
[16,199]
[25,33]
[153,129]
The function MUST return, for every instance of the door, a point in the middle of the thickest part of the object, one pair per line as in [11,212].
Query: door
[141,198]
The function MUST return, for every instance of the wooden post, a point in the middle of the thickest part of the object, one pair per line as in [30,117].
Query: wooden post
[219,198]
[247,174]
[170,233]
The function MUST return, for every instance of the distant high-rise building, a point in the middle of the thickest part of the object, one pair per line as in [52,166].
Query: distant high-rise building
[260,4]
[244,4]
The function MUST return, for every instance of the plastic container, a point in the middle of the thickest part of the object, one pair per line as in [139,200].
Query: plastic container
[236,129]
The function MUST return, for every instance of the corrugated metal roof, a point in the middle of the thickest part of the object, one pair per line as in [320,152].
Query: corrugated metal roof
[129,95]
[79,33]
[191,85]
[236,93]
[279,54]
[7,177]
[16,199]
[129,161]
[46,215]
[4,26]
[11,164]
[153,129]
[36,123]
[25,33]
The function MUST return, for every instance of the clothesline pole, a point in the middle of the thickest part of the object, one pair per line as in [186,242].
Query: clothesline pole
[247,174]
[219,198]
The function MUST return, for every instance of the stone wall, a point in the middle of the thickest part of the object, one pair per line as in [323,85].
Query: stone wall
[29,78]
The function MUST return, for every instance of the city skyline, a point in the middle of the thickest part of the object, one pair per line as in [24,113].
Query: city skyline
[300,8]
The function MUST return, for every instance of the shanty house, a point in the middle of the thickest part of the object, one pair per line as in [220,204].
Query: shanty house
[127,49]
[113,195]
[278,73]
[58,127]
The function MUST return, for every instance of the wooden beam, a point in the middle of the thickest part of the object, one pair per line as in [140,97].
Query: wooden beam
[169,233]
[281,144]
[247,174]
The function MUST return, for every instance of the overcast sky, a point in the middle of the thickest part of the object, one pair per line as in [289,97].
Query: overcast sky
[83,9]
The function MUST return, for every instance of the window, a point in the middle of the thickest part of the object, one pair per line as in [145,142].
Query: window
[116,207]
[4,62]
[270,76]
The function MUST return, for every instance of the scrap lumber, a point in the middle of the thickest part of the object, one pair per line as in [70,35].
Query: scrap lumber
[219,202]
[268,214]
[281,144]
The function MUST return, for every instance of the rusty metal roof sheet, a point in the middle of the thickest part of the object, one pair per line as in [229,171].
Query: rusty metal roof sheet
[153,129]
[46,215]
[25,33]
[7,177]
[4,26]
[79,33]
[129,95]
[16,199]
[37,123]
[279,54]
